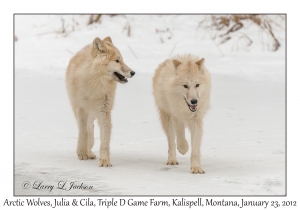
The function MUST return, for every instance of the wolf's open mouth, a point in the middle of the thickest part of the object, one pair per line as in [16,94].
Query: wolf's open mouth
[121,77]
[192,107]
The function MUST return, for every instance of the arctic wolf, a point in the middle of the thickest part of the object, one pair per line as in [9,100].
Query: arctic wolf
[181,88]
[91,81]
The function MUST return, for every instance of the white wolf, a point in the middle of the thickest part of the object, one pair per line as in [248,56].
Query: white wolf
[91,81]
[181,88]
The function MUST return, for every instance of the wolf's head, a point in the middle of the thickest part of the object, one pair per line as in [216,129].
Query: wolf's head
[191,80]
[107,53]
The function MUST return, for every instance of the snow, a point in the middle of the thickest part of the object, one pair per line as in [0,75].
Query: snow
[243,147]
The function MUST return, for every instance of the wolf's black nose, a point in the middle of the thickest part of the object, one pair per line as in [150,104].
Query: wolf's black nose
[194,101]
[132,73]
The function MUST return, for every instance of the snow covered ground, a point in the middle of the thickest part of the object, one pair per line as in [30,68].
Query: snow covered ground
[243,147]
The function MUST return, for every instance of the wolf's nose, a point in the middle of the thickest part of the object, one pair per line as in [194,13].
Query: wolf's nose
[194,101]
[132,73]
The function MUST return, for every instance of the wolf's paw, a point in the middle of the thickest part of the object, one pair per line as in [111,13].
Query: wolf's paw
[172,162]
[105,163]
[91,155]
[82,155]
[182,146]
[86,155]
[197,170]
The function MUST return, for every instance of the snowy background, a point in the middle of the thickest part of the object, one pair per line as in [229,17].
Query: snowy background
[243,147]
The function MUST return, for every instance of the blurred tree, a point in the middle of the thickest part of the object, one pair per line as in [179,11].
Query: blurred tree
[229,24]
[94,19]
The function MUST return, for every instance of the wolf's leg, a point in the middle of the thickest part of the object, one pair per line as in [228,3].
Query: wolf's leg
[196,134]
[105,131]
[168,127]
[82,144]
[90,128]
[182,144]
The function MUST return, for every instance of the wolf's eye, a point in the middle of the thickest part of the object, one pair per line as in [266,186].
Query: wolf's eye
[185,86]
[117,61]
[197,85]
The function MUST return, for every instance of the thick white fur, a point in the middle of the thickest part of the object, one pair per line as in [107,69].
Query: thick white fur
[171,98]
[91,85]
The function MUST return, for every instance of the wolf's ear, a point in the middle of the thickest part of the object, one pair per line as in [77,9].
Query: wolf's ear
[200,62]
[176,63]
[107,39]
[98,44]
